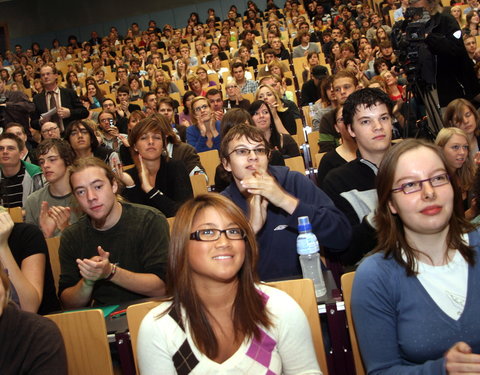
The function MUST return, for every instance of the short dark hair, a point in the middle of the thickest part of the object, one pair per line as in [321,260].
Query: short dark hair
[166,100]
[269,51]
[18,140]
[237,65]
[124,89]
[212,92]
[376,64]
[147,95]
[63,148]
[14,124]
[368,97]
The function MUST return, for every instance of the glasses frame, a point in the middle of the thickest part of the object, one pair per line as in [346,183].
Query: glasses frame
[259,151]
[420,184]
[196,235]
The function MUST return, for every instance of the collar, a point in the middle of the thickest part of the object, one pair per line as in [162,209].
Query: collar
[56,90]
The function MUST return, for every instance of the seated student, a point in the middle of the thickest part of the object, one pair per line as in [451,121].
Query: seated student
[27,154]
[287,124]
[271,126]
[32,344]
[50,130]
[52,208]
[84,143]
[344,84]
[342,154]
[234,96]
[274,198]
[18,178]
[157,180]
[24,254]
[178,150]
[204,135]
[413,300]
[125,153]
[367,113]
[237,116]
[218,312]
[109,132]
[166,108]
[117,251]
[454,144]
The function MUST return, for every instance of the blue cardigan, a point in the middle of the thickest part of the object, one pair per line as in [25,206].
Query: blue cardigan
[195,139]
[400,328]
[277,240]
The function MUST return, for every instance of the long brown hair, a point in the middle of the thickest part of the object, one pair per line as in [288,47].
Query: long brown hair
[248,309]
[454,113]
[390,228]
[466,173]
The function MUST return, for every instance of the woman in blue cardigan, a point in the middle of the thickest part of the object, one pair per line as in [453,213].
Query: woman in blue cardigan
[415,300]
[204,134]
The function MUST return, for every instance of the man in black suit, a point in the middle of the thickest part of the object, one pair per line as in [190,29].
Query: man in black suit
[69,107]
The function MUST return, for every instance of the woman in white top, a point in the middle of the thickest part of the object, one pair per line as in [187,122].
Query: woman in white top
[217,315]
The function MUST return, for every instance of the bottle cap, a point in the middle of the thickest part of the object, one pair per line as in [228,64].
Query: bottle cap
[304,224]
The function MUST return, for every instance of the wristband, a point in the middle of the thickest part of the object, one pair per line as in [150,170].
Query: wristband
[112,272]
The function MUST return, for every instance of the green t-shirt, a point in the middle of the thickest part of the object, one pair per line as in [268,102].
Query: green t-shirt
[138,243]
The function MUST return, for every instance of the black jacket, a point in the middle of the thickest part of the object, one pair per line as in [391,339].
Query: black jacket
[69,99]
[455,75]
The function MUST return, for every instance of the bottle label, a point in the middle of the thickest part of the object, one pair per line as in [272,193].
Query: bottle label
[307,244]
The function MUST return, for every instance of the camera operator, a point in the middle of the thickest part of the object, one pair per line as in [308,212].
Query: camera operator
[455,77]
[14,107]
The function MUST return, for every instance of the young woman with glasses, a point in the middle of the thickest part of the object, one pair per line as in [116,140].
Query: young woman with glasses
[217,312]
[414,300]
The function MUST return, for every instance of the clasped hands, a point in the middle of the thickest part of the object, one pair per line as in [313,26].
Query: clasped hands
[263,189]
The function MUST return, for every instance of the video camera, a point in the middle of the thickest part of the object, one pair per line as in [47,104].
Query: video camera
[408,40]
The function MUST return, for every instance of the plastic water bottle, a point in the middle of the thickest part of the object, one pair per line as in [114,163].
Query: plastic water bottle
[307,249]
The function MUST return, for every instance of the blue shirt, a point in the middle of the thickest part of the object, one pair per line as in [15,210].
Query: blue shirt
[195,139]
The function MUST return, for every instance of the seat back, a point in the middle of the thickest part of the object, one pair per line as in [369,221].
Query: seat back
[296,164]
[210,160]
[303,292]
[199,184]
[85,336]
[313,138]
[16,214]
[135,315]
[53,244]
[347,283]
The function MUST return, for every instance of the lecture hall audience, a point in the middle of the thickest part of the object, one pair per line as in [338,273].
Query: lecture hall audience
[129,95]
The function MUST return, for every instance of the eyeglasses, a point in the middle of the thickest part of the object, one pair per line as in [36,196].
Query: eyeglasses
[52,129]
[259,151]
[414,186]
[200,108]
[214,234]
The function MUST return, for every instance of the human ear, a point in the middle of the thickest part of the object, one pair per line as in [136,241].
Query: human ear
[350,131]
[226,165]
[392,207]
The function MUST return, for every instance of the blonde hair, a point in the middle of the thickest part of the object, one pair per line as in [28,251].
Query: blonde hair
[281,107]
